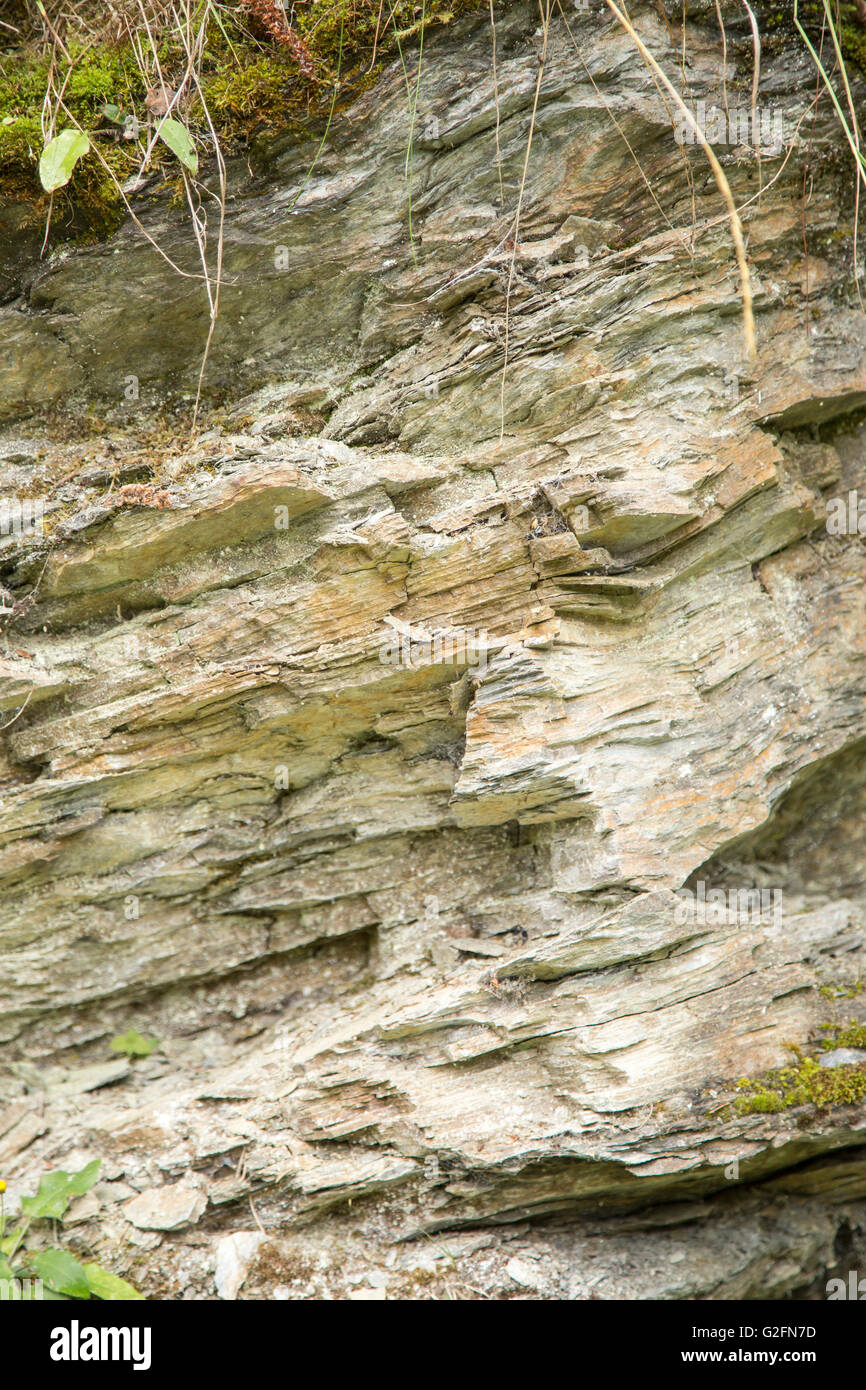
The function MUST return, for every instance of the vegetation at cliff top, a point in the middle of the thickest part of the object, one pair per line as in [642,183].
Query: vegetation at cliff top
[95,66]
[95,99]
[102,69]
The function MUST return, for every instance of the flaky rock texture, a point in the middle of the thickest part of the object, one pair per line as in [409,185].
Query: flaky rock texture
[409,919]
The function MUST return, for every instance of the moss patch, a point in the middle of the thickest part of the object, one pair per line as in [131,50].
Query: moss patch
[852,34]
[805,1082]
[252,86]
[841,991]
[852,39]
[96,77]
[854,1035]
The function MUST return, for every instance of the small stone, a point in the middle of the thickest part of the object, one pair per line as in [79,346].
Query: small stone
[234,1255]
[523,1273]
[145,1240]
[165,1208]
[111,1192]
[90,1078]
[443,954]
[843,1057]
[82,1209]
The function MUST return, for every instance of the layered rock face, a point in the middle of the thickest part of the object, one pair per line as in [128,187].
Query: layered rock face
[385,749]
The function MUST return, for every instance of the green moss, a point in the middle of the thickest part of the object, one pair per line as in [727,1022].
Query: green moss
[96,78]
[319,23]
[20,140]
[805,1082]
[852,34]
[852,41]
[841,991]
[252,87]
[251,95]
[100,74]
[852,1036]
[760,1100]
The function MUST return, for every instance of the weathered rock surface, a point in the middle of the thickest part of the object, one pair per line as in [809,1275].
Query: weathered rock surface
[413,934]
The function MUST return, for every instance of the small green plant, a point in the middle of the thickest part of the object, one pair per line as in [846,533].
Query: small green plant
[806,1082]
[59,158]
[30,1271]
[854,1035]
[840,991]
[174,134]
[134,1044]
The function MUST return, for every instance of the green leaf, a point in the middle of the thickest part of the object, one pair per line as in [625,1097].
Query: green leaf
[112,113]
[176,136]
[133,1044]
[10,1243]
[56,1190]
[109,1286]
[52,1198]
[83,1180]
[62,1273]
[60,157]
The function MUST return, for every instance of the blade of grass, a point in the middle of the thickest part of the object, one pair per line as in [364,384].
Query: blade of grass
[718,173]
